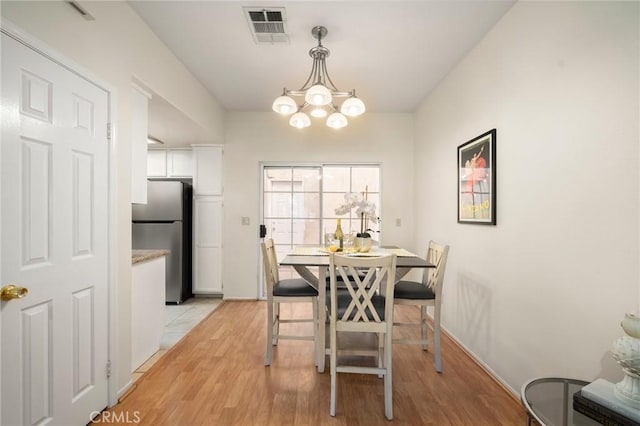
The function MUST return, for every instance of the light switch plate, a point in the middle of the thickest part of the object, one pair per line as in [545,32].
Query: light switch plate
[245,220]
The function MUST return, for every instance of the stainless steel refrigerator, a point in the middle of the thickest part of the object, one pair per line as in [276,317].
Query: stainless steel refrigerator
[165,223]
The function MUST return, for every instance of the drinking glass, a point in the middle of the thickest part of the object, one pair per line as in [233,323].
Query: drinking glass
[329,238]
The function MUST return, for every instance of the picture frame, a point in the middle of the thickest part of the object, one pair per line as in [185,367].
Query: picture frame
[477,180]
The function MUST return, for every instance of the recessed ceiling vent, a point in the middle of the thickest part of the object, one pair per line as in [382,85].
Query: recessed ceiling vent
[267,26]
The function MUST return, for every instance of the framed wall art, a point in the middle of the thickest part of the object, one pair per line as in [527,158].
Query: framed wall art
[477,180]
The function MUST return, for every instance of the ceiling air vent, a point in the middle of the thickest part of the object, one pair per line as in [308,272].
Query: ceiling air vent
[267,25]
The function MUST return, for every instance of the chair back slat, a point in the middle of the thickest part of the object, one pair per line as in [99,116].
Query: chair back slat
[270,262]
[433,277]
[362,288]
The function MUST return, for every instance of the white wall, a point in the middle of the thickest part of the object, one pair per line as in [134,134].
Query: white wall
[116,47]
[544,291]
[254,137]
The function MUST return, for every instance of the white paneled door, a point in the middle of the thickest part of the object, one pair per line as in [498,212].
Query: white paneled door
[54,228]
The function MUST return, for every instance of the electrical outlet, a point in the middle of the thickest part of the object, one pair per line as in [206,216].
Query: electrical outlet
[245,220]
[398,222]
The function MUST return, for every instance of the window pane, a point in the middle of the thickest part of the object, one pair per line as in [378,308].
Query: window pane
[336,179]
[306,205]
[330,202]
[352,226]
[277,204]
[282,250]
[279,230]
[307,180]
[329,225]
[280,176]
[306,231]
[375,199]
[364,176]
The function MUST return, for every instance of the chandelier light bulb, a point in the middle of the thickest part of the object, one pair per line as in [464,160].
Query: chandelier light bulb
[300,120]
[318,95]
[352,107]
[318,112]
[284,105]
[337,121]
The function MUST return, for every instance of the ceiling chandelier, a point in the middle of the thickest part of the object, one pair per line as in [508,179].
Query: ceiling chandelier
[319,94]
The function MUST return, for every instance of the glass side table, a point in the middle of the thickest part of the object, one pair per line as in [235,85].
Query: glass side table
[549,401]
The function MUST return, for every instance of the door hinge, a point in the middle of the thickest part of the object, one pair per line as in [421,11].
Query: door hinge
[108,369]
[109,131]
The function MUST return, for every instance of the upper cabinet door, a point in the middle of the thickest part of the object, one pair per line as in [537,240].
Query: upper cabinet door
[207,173]
[156,164]
[180,163]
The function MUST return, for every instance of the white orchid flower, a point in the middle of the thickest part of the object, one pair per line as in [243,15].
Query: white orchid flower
[364,209]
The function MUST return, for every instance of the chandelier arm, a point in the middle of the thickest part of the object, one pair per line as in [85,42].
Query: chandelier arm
[311,78]
[317,76]
[328,79]
[342,94]
[334,94]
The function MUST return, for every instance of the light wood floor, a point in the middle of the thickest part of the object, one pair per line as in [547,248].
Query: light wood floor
[216,376]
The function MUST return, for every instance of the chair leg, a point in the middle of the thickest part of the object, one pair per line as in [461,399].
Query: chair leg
[322,329]
[436,337]
[267,360]
[316,328]
[332,361]
[423,327]
[381,352]
[388,383]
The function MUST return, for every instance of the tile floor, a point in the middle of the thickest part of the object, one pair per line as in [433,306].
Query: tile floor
[180,320]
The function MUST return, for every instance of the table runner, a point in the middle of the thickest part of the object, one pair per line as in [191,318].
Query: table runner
[376,251]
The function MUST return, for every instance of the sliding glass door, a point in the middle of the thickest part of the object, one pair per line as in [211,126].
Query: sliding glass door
[299,201]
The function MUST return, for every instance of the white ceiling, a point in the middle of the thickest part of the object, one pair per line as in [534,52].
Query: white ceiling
[392,52]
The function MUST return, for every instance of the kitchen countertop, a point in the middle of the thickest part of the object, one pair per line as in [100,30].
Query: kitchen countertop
[140,255]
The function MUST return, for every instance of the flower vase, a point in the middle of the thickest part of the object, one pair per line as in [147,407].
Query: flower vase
[363,244]
[626,350]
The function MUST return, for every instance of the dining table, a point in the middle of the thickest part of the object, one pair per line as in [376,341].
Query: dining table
[302,258]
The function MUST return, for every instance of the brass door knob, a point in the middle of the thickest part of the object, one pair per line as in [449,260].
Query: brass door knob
[13,292]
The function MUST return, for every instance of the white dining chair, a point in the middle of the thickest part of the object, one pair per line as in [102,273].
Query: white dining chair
[292,290]
[363,305]
[423,294]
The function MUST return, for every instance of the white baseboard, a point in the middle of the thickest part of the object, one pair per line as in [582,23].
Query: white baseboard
[513,393]
[126,388]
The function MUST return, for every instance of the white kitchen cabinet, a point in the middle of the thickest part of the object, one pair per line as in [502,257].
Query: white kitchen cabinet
[180,163]
[207,242]
[207,169]
[139,131]
[157,163]
[171,163]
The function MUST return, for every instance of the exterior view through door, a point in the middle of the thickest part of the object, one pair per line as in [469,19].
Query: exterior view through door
[299,202]
[55,242]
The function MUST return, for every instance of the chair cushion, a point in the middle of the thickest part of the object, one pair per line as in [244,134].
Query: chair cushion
[412,290]
[344,298]
[294,287]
